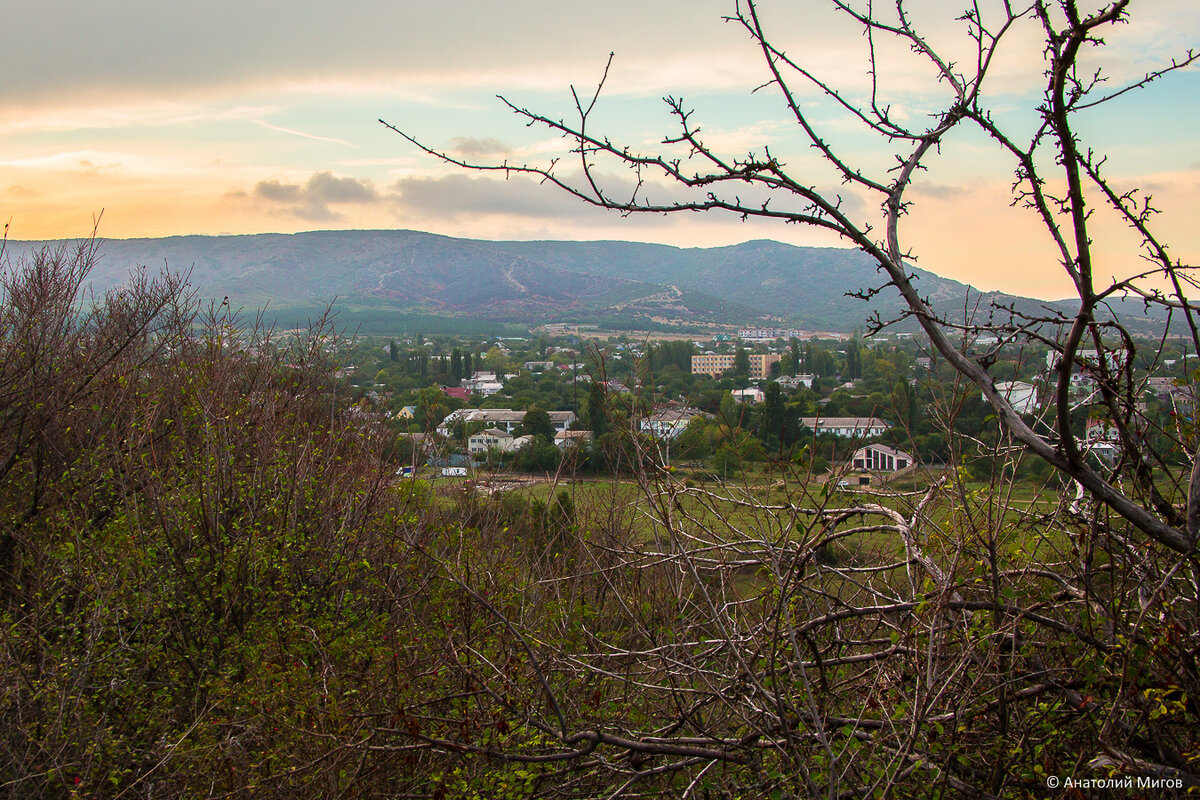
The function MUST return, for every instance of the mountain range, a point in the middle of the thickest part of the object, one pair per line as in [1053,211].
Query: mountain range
[383,275]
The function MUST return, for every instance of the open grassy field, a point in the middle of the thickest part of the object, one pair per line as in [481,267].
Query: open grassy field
[779,507]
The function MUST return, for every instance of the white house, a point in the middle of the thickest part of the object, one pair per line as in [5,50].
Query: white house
[1106,452]
[795,381]
[564,440]
[751,395]
[484,388]
[667,423]
[490,438]
[482,383]
[880,458]
[1088,364]
[1022,396]
[504,418]
[856,427]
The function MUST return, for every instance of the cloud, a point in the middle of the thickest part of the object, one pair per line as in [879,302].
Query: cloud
[942,191]
[301,134]
[473,147]
[312,200]
[51,115]
[330,189]
[277,192]
[458,197]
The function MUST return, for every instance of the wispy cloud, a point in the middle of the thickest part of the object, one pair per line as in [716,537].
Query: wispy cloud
[153,113]
[84,161]
[302,134]
[474,147]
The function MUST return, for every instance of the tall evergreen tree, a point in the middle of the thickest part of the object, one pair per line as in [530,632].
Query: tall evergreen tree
[741,363]
[771,426]
[597,410]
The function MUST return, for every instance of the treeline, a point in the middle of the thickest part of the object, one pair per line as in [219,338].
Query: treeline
[887,382]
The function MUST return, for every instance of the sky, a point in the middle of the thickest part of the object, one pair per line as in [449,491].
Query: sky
[160,119]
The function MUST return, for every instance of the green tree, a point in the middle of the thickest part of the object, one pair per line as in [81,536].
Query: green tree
[537,423]
[596,410]
[854,365]
[904,404]
[695,442]
[431,408]
[538,455]
[771,425]
[741,363]
[495,361]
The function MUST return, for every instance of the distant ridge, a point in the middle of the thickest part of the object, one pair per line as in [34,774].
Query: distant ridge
[615,284]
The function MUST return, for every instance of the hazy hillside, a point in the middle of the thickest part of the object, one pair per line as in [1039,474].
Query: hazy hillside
[417,273]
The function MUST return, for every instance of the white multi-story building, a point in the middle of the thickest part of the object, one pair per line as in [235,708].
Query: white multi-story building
[847,427]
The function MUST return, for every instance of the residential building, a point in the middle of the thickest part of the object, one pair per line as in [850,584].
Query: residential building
[495,438]
[482,383]
[847,427]
[503,418]
[1098,429]
[669,422]
[751,395]
[1163,387]
[880,458]
[795,381]
[715,364]
[1087,367]
[1022,396]
[770,334]
[564,440]
[1106,452]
